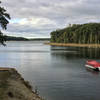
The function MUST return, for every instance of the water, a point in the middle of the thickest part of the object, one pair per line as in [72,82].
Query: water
[57,72]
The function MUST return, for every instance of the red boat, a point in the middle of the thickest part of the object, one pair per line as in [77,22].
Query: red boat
[92,64]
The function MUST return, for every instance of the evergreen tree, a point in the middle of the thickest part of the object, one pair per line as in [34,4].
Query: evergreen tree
[78,33]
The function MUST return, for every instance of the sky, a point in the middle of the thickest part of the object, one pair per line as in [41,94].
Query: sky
[37,18]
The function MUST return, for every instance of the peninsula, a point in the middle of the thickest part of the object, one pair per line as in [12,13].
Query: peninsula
[77,35]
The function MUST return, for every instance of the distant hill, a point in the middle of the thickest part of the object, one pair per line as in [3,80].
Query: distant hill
[13,38]
[39,39]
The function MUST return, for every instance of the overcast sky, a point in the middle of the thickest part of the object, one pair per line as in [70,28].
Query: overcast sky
[37,18]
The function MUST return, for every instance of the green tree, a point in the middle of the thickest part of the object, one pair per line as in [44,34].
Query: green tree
[4,20]
[88,33]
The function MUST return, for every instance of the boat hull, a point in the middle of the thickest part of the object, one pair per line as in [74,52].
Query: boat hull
[93,68]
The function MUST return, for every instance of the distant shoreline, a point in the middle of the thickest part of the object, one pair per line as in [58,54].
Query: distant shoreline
[74,45]
[13,38]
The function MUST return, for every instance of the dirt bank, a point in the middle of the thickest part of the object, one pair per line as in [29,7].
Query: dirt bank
[14,87]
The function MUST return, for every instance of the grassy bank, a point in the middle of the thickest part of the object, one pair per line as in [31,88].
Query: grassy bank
[14,87]
[75,45]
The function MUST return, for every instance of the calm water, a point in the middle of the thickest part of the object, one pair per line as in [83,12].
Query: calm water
[58,72]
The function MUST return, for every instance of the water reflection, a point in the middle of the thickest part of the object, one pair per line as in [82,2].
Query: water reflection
[92,71]
[59,72]
[73,53]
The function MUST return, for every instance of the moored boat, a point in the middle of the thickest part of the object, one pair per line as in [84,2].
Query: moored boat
[92,64]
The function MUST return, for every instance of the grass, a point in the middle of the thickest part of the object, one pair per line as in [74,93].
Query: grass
[75,45]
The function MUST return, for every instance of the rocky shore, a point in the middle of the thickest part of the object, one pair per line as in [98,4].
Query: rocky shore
[14,87]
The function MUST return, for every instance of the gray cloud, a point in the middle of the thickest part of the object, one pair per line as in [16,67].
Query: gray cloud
[53,14]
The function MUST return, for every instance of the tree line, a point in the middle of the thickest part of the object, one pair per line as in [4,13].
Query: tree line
[88,33]
[13,38]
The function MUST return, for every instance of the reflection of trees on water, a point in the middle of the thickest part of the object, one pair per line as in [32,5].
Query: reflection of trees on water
[75,52]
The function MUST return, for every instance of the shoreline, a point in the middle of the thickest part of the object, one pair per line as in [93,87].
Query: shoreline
[74,45]
[14,87]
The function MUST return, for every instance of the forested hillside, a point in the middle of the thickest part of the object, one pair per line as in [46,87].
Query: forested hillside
[78,33]
[12,38]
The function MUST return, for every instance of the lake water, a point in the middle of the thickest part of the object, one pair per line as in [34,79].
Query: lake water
[57,72]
